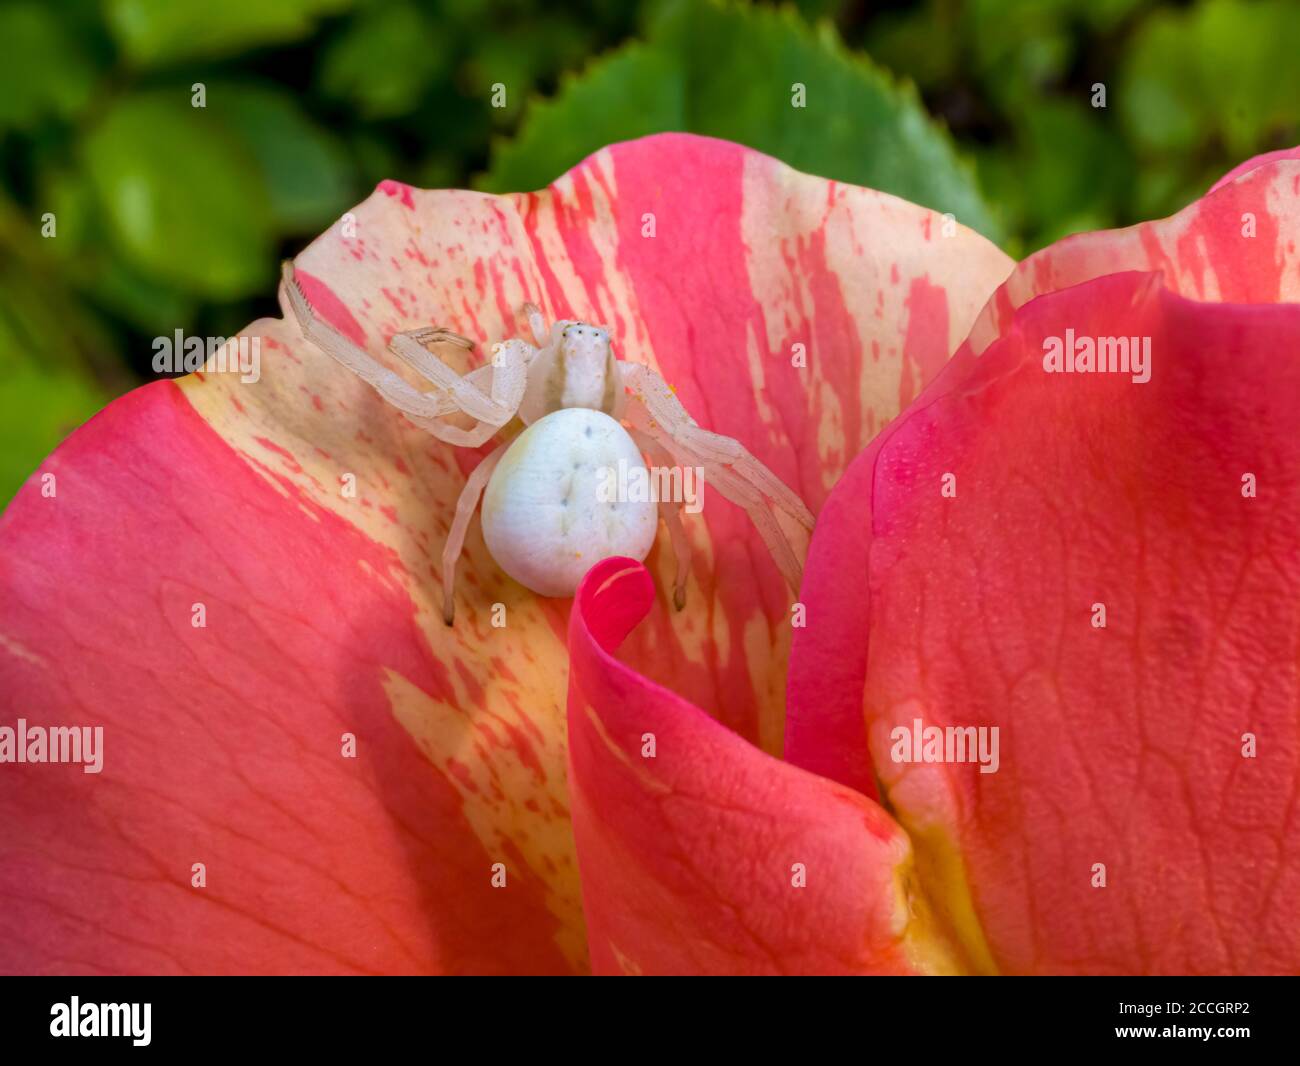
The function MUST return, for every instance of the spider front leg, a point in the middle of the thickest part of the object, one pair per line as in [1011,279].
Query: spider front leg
[537,323]
[509,369]
[729,466]
[508,374]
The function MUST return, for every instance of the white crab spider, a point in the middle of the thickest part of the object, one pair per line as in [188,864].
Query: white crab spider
[572,366]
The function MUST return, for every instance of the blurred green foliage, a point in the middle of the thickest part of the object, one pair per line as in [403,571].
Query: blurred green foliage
[1192,89]
[728,71]
[126,212]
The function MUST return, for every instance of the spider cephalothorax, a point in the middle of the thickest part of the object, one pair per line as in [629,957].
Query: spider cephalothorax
[574,367]
[543,520]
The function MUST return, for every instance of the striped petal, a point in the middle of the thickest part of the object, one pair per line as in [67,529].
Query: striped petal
[1237,244]
[1256,161]
[306,518]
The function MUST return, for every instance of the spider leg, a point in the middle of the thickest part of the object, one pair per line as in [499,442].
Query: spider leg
[728,465]
[664,408]
[537,324]
[418,406]
[671,513]
[731,486]
[465,505]
[491,410]
[437,335]
[743,494]
[508,372]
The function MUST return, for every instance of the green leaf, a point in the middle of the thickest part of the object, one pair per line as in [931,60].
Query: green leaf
[1160,98]
[924,42]
[376,156]
[38,408]
[729,71]
[1018,47]
[45,390]
[44,72]
[67,195]
[1250,69]
[148,304]
[633,92]
[161,32]
[384,61]
[1224,69]
[308,176]
[184,201]
[1071,168]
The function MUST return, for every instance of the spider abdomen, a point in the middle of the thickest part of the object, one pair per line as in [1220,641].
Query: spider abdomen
[551,509]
